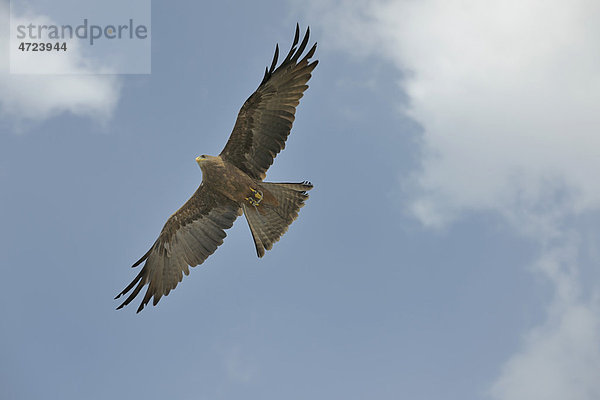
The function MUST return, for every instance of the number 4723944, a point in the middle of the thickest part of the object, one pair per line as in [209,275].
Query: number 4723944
[26,46]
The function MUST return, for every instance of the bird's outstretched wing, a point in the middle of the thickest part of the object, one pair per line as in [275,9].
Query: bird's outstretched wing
[265,120]
[189,236]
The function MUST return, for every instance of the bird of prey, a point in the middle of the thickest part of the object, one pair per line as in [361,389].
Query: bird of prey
[232,183]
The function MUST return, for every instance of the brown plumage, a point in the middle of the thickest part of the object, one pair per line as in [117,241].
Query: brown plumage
[232,183]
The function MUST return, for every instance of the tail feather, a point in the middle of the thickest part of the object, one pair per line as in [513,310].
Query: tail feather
[268,222]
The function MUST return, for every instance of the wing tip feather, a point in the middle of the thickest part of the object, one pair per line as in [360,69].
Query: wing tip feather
[293,55]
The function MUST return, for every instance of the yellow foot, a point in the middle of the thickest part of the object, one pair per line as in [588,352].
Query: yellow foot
[256,197]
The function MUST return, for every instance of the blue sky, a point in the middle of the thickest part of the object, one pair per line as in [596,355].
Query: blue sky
[448,250]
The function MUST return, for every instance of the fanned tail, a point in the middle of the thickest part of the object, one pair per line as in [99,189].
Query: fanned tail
[269,220]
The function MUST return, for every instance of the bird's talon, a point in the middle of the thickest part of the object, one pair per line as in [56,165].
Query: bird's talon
[256,198]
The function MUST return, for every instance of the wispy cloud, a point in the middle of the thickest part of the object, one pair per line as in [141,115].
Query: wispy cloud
[561,358]
[507,95]
[557,361]
[38,97]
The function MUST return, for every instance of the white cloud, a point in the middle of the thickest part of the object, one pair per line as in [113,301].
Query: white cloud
[38,97]
[510,87]
[560,359]
[557,362]
[507,93]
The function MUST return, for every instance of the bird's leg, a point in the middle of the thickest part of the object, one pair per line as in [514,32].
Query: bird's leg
[255,198]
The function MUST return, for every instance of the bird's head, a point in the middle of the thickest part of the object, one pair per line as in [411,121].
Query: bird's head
[204,159]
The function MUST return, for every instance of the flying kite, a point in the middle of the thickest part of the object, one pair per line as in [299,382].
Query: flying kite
[232,183]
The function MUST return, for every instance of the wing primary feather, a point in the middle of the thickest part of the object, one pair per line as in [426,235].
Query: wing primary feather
[131,285]
[302,46]
[147,296]
[145,256]
[294,43]
[311,53]
[275,57]
[269,70]
[140,284]
[296,34]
